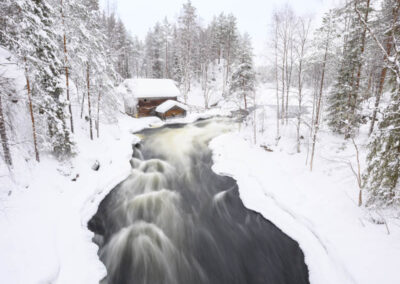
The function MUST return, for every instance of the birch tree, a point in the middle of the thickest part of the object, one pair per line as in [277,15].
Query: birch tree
[301,50]
[88,100]
[275,40]
[326,31]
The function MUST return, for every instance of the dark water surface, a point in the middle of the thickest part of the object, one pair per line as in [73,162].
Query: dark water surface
[175,221]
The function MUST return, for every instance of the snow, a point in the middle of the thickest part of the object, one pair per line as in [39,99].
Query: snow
[44,234]
[44,213]
[342,242]
[152,88]
[167,105]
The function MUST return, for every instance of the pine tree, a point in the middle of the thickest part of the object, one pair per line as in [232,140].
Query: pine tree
[382,177]
[387,21]
[344,102]
[31,35]
[383,172]
[66,66]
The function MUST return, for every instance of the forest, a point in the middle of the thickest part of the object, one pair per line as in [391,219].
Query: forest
[349,62]
[323,100]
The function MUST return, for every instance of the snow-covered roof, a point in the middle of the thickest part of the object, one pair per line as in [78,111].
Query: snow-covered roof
[152,88]
[167,105]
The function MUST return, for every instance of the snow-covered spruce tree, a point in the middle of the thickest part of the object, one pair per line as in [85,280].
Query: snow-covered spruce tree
[187,35]
[382,177]
[344,100]
[176,73]
[383,171]
[29,32]
[243,77]
[156,52]
[213,28]
[387,19]
[230,41]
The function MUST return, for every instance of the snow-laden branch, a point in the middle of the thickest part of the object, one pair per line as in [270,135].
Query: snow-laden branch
[371,33]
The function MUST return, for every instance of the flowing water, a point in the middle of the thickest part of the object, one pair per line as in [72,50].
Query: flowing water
[174,221]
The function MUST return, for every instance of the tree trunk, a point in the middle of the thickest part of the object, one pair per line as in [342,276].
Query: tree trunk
[67,71]
[318,109]
[228,61]
[388,48]
[369,84]
[303,40]
[255,119]
[82,104]
[283,82]
[312,124]
[28,87]
[205,83]
[166,59]
[98,114]
[277,84]
[299,111]
[358,76]
[288,77]
[88,95]
[4,138]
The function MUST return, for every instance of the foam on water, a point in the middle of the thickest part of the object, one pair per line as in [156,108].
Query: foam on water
[173,220]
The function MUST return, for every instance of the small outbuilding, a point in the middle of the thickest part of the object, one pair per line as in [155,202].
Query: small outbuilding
[171,108]
[143,96]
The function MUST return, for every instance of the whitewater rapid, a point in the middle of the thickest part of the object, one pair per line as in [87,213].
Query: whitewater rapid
[173,220]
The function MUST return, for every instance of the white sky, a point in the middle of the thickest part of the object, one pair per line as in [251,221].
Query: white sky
[253,15]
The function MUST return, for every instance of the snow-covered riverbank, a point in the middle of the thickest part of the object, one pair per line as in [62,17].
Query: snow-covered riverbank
[44,235]
[340,243]
[44,217]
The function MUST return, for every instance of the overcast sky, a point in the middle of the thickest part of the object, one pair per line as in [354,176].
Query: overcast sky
[253,15]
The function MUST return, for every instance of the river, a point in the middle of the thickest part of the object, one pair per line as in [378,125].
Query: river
[174,221]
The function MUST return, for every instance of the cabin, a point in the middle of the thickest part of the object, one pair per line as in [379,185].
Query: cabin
[143,96]
[170,109]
